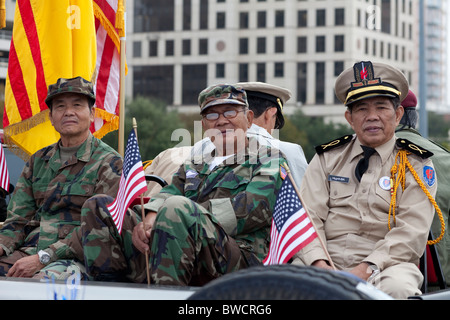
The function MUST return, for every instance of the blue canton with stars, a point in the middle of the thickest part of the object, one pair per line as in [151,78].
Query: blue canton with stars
[286,205]
[132,155]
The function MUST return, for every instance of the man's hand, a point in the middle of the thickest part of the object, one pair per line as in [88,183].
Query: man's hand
[25,267]
[362,271]
[141,233]
[322,264]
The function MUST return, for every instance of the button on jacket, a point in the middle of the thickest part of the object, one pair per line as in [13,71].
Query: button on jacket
[352,216]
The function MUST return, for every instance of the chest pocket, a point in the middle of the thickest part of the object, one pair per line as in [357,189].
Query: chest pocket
[340,193]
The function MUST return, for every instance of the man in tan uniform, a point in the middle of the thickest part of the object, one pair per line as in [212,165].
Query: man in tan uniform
[347,187]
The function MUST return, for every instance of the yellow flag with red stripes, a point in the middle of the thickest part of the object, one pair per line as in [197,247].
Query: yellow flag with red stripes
[51,39]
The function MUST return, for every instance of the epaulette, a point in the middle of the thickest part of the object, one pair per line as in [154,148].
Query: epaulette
[333,144]
[414,148]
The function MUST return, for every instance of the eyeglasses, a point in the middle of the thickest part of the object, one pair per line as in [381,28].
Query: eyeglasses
[229,114]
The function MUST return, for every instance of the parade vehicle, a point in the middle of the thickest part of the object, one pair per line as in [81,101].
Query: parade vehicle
[274,282]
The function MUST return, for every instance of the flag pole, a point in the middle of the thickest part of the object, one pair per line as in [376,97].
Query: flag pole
[142,210]
[122,85]
[309,217]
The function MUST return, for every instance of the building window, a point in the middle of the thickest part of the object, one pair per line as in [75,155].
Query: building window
[320,17]
[261,19]
[137,49]
[261,45]
[338,68]
[302,44]
[243,46]
[339,45]
[302,83]
[339,17]
[243,72]
[279,18]
[261,72]
[170,48]
[278,70]
[386,16]
[187,14]
[203,46]
[220,22]
[153,48]
[154,81]
[203,14]
[243,20]
[302,18]
[220,70]
[186,47]
[155,15]
[320,82]
[194,81]
[320,44]
[279,44]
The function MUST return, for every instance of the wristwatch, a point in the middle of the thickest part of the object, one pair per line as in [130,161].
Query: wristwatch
[44,257]
[375,271]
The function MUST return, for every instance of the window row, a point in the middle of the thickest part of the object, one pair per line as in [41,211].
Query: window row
[157,81]
[261,46]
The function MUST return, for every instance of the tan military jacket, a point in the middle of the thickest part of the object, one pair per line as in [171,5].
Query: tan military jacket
[352,216]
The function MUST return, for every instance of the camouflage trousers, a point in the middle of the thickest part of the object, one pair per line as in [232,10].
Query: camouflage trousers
[58,270]
[187,244]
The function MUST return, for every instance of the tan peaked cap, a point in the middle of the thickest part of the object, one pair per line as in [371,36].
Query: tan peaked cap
[275,91]
[368,79]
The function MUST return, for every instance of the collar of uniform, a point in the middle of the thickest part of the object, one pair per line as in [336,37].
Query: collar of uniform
[384,150]
[257,130]
[83,153]
[201,161]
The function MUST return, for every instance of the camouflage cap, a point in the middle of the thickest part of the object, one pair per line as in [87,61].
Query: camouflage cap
[222,94]
[74,85]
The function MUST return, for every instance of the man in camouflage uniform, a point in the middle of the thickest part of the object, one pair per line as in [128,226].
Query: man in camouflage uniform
[215,216]
[44,212]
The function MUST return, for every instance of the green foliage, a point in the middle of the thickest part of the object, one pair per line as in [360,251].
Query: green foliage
[311,131]
[155,125]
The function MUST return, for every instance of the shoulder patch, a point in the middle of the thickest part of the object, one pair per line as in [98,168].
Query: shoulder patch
[333,144]
[414,148]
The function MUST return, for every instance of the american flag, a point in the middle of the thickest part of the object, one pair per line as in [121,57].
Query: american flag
[109,28]
[132,182]
[4,174]
[291,228]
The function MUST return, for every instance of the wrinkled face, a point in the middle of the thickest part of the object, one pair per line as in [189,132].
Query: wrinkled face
[228,131]
[374,120]
[71,116]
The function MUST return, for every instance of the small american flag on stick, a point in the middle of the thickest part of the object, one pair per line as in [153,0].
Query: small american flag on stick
[292,229]
[132,181]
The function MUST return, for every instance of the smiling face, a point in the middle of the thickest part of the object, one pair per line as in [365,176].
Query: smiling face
[374,120]
[71,116]
[227,134]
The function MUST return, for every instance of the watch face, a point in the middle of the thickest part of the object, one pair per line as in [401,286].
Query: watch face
[44,258]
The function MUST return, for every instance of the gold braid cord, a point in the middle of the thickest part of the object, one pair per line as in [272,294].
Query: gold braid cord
[400,164]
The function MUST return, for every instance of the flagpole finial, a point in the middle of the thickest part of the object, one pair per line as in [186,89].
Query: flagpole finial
[134,123]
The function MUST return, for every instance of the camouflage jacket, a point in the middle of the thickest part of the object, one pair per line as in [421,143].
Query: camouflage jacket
[46,205]
[240,196]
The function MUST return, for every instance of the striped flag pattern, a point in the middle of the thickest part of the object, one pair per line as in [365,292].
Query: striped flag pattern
[132,182]
[4,174]
[291,228]
[50,40]
[109,27]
